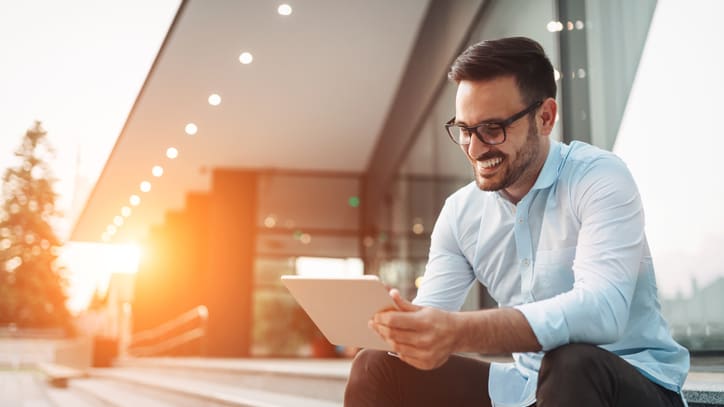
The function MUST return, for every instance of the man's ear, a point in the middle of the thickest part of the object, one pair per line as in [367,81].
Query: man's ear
[548,111]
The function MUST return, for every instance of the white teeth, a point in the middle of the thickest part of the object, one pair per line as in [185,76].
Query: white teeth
[490,163]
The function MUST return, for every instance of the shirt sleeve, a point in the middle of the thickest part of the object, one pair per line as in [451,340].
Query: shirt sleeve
[610,246]
[448,274]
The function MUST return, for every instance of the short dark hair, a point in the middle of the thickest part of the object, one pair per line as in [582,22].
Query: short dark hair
[519,57]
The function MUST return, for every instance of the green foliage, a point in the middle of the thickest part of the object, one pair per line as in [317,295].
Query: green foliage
[32,286]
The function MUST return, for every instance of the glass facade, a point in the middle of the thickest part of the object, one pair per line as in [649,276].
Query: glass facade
[298,215]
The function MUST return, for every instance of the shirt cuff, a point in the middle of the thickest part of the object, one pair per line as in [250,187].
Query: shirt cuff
[548,322]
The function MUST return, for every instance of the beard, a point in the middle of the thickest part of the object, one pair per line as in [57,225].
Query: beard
[512,171]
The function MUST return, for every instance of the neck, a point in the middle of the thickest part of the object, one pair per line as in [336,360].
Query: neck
[520,188]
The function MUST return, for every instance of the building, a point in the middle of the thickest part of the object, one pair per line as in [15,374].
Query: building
[325,140]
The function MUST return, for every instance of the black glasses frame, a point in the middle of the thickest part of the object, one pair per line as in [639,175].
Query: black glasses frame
[451,127]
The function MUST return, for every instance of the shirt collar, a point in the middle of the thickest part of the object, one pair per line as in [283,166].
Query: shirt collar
[549,173]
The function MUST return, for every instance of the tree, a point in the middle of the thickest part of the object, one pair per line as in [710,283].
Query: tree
[32,284]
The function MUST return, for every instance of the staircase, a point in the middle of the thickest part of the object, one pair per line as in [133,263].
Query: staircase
[152,382]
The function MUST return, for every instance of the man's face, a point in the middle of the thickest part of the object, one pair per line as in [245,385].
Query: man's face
[513,165]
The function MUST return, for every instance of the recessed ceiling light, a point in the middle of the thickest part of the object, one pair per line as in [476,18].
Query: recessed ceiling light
[191,128]
[134,200]
[246,58]
[214,99]
[284,9]
[111,230]
[171,153]
[126,211]
[118,220]
[157,171]
[145,186]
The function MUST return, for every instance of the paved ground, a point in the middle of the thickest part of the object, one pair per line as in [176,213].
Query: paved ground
[22,388]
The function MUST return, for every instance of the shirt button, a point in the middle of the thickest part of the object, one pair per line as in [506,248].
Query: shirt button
[521,220]
[526,262]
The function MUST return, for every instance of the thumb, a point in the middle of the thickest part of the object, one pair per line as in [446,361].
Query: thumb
[402,303]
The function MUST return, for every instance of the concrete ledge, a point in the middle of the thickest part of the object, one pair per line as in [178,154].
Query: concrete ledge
[330,369]
[58,375]
[209,392]
[704,389]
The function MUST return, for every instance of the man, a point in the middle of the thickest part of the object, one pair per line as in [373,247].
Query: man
[556,234]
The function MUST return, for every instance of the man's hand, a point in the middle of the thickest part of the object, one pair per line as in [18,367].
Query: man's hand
[423,337]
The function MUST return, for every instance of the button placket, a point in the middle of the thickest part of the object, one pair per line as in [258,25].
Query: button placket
[524,248]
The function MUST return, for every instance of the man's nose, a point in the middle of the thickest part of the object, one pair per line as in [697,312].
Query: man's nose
[476,148]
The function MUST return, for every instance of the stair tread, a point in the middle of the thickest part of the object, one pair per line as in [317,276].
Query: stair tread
[111,395]
[332,369]
[233,395]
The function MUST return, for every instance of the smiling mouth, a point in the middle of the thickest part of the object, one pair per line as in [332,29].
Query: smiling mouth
[490,164]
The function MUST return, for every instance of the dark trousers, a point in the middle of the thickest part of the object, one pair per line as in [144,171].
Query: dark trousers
[572,375]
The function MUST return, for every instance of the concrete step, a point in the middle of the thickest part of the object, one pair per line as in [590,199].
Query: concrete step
[23,388]
[704,389]
[197,391]
[114,394]
[72,397]
[317,379]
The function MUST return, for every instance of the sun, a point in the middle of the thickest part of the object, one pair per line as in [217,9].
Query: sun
[89,267]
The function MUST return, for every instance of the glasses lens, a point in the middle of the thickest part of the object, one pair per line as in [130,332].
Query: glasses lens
[461,135]
[492,134]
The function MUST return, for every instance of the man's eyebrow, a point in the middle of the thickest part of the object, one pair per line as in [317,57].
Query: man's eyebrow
[492,120]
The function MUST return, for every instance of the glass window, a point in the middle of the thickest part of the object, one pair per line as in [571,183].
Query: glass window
[675,97]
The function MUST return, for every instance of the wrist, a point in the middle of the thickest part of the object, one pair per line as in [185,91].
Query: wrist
[459,335]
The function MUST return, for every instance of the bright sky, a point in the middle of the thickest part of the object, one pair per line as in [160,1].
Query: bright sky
[77,66]
[672,140]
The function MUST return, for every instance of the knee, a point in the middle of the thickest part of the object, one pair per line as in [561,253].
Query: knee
[586,374]
[570,359]
[367,359]
[367,366]
[369,374]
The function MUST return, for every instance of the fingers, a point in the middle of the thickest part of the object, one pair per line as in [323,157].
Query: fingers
[402,304]
[401,320]
[397,336]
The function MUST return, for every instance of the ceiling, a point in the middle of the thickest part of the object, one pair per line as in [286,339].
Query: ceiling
[315,97]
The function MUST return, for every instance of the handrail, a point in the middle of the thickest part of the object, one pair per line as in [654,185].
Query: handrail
[189,334]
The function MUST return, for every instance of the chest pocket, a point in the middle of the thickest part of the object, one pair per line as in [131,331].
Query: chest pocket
[553,272]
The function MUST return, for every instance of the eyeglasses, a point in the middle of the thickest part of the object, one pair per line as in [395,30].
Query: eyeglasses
[490,133]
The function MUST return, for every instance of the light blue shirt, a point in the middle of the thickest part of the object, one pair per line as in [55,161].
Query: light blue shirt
[572,256]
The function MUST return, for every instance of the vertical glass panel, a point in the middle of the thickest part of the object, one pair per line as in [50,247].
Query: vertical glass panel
[616,31]
[671,140]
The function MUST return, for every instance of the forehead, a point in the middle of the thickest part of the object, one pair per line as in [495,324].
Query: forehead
[477,101]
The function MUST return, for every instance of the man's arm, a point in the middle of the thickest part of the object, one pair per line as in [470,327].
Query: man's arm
[425,337]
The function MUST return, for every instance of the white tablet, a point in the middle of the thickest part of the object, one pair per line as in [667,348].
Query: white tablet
[342,306]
